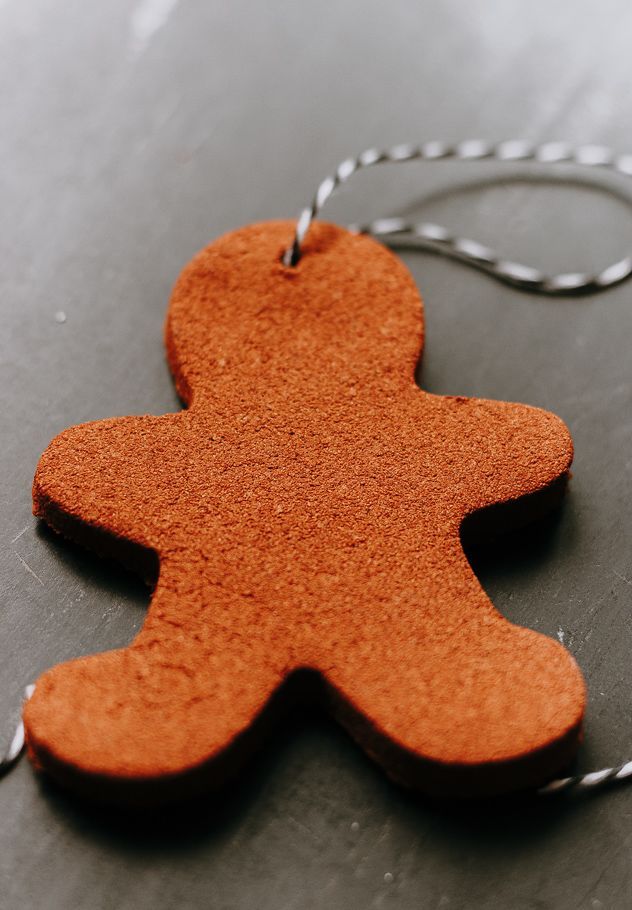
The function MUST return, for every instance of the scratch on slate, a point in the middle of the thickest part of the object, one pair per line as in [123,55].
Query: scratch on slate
[148,17]
[20,533]
[30,570]
[384,831]
[303,827]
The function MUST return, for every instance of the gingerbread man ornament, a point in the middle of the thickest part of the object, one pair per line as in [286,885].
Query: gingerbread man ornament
[304,516]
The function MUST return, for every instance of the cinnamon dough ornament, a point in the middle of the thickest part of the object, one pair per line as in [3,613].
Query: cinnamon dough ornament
[305,513]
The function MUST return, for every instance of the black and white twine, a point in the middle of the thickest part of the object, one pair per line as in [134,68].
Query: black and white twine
[16,746]
[439,239]
[588,781]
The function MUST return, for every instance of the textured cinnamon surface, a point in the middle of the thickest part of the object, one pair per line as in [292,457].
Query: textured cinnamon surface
[306,512]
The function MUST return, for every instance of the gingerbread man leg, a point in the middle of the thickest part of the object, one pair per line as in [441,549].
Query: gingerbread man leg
[451,698]
[176,712]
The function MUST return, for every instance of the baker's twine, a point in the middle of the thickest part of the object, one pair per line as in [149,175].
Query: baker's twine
[439,239]
[16,746]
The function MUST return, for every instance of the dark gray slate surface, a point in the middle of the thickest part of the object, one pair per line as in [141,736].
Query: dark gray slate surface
[122,152]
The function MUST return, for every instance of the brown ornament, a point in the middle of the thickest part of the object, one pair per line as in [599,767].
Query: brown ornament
[305,511]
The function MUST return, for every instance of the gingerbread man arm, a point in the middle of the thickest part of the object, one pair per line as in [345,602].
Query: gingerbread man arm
[99,483]
[507,452]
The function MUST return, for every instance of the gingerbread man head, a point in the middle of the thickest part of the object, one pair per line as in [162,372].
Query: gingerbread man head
[240,318]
